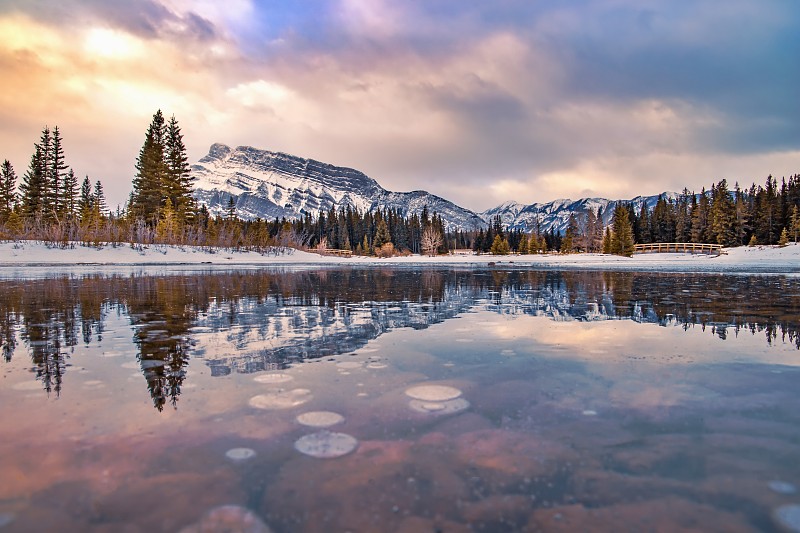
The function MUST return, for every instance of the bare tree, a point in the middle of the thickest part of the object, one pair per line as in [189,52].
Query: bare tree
[431,240]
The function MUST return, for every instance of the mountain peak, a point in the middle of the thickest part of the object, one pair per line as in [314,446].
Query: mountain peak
[268,184]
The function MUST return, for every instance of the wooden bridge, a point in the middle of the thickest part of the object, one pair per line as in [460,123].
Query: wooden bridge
[334,251]
[677,248]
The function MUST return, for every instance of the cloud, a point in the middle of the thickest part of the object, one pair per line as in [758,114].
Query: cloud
[476,102]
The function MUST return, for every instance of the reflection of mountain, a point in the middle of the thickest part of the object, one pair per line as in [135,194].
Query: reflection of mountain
[255,320]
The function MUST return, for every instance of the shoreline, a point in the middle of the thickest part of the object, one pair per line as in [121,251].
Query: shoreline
[34,255]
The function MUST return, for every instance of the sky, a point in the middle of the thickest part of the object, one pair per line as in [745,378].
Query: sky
[478,102]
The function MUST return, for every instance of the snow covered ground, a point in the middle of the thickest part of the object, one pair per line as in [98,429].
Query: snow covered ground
[22,258]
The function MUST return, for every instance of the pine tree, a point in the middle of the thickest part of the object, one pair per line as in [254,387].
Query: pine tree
[382,235]
[168,225]
[523,245]
[607,238]
[99,198]
[179,183]
[683,220]
[68,192]
[85,201]
[57,176]
[622,233]
[151,174]
[8,197]
[743,216]
[33,186]
[700,219]
[783,240]
[644,230]
[795,222]
[723,215]
[570,235]
[48,194]
[500,246]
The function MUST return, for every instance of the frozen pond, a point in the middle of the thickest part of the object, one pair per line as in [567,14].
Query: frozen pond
[400,400]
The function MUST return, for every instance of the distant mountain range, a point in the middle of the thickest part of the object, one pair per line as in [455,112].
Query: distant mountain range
[267,185]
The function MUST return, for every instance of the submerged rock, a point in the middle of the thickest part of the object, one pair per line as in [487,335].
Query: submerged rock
[228,519]
[326,444]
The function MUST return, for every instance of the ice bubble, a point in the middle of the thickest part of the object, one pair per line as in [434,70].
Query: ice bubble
[320,419]
[447,407]
[788,516]
[240,454]
[326,444]
[782,487]
[433,393]
[273,377]
[281,399]
[344,372]
[465,340]
[508,352]
[229,518]
[131,365]
[346,365]
[94,383]
[152,363]
[376,365]
[362,394]
[590,412]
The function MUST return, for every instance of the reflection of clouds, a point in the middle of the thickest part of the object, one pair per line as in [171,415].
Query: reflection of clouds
[646,395]
[626,341]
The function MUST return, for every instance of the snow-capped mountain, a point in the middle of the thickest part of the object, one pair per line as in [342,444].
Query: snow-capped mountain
[555,214]
[266,184]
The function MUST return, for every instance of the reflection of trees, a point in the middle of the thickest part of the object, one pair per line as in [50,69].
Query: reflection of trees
[162,311]
[272,318]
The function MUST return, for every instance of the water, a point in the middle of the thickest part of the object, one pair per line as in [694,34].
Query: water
[560,401]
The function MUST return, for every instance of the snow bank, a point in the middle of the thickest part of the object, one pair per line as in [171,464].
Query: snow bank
[22,257]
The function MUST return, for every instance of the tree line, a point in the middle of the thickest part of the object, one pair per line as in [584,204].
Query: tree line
[48,205]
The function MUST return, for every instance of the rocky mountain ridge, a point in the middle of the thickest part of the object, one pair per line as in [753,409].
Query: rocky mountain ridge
[268,185]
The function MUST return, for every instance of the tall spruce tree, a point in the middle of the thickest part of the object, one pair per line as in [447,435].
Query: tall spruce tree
[8,197]
[85,201]
[723,215]
[179,185]
[99,198]
[33,186]
[149,185]
[57,194]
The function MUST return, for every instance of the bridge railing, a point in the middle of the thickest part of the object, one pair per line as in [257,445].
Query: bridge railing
[677,247]
[337,252]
